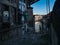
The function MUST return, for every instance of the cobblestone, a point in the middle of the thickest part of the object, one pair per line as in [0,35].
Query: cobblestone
[15,37]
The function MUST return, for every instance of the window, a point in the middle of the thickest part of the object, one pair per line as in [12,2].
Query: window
[22,6]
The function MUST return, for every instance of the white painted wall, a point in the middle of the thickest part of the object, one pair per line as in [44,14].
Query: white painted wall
[37,26]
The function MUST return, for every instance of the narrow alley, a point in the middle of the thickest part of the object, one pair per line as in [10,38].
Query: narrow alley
[29,22]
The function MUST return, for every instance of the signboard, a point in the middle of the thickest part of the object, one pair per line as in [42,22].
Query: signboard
[26,17]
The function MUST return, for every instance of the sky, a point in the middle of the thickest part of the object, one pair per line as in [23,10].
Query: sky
[40,7]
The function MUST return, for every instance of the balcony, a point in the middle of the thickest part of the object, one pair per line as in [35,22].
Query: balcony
[7,2]
[30,2]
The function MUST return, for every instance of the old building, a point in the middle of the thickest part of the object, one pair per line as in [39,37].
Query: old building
[12,11]
[26,11]
[38,24]
[8,12]
[30,12]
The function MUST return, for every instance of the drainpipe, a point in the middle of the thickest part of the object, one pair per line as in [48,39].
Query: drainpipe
[10,13]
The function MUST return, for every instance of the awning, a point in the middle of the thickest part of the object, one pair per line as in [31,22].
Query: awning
[30,2]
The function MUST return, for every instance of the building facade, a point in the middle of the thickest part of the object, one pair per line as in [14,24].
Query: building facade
[27,11]
[8,12]
[11,11]
[38,24]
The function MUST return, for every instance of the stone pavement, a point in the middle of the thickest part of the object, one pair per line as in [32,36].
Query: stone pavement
[15,37]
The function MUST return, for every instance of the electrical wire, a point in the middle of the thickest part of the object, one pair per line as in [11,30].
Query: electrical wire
[48,15]
[48,6]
